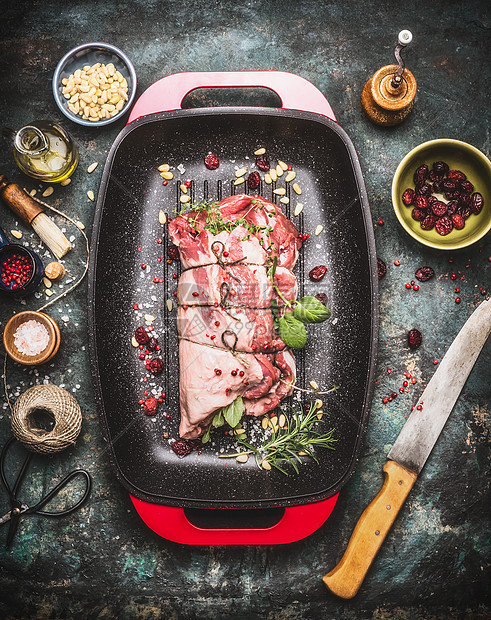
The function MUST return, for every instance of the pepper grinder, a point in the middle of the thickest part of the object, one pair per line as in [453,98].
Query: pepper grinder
[388,96]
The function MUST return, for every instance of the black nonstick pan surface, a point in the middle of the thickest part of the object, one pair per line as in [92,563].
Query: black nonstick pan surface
[126,229]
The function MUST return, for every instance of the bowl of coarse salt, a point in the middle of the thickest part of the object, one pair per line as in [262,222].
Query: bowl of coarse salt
[31,338]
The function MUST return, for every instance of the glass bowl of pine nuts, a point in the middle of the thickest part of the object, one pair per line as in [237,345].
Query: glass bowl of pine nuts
[94,84]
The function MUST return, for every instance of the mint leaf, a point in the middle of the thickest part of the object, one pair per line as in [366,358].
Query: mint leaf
[311,310]
[233,412]
[292,331]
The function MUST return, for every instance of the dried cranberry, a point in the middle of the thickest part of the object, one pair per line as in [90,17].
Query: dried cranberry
[466,186]
[444,225]
[431,200]
[456,174]
[424,273]
[477,203]
[454,195]
[381,267]
[152,344]
[253,180]
[317,273]
[156,366]
[424,190]
[418,214]
[421,202]
[322,297]
[150,406]
[464,212]
[434,176]
[439,208]
[429,222]
[458,221]
[173,252]
[449,185]
[263,163]
[438,186]
[183,447]
[211,161]
[464,199]
[414,338]
[421,175]
[440,167]
[408,197]
[141,335]
[452,207]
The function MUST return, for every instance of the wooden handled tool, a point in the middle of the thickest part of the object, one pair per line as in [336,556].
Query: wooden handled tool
[32,213]
[409,453]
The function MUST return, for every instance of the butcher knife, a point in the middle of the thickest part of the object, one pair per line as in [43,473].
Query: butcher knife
[409,453]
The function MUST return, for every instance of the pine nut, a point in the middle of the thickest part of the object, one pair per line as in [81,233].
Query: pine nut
[183,188]
[185,198]
[240,172]
[162,218]
[48,191]
[279,170]
[296,188]
[167,175]
[265,423]
[149,318]
[281,191]
[90,195]
[267,179]
[282,165]
[273,175]
[318,230]
[65,182]
[92,167]
[265,465]
[314,385]
[298,209]
[290,176]
[163,168]
[47,282]
[285,200]
[134,342]
[242,458]
[282,420]
[260,151]
[239,181]
[16,233]
[169,305]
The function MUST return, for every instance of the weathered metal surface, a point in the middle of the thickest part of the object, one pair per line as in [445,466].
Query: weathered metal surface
[103,562]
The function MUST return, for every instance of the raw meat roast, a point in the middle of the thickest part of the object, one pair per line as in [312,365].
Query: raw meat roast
[236,254]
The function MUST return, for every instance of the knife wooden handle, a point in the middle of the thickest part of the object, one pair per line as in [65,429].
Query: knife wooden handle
[346,578]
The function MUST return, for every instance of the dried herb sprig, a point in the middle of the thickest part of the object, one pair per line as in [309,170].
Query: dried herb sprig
[289,445]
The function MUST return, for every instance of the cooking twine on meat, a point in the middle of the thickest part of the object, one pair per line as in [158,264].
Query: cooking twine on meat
[61,405]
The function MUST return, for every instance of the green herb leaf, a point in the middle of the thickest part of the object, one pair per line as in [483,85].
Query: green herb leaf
[218,420]
[206,436]
[311,310]
[233,412]
[272,270]
[292,331]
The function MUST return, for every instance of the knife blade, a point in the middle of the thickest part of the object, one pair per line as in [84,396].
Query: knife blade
[410,452]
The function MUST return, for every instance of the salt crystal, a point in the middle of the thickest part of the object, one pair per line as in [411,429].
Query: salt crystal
[181,168]
[31,338]
[65,318]
[71,238]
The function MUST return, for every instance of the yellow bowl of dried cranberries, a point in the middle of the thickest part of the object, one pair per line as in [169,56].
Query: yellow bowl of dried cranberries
[441,194]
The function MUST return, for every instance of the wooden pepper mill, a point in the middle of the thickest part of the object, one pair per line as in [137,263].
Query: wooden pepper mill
[388,96]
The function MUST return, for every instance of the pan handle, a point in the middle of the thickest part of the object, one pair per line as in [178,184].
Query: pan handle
[295,92]
[296,523]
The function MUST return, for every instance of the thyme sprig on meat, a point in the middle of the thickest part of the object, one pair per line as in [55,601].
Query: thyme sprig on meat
[288,445]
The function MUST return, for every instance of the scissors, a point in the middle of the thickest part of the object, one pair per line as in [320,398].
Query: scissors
[18,508]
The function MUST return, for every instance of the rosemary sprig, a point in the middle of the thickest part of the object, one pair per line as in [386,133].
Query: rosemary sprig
[288,446]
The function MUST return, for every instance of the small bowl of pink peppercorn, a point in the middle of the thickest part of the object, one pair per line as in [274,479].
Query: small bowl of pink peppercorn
[441,194]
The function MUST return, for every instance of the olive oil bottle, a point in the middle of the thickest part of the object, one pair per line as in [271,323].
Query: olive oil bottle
[45,151]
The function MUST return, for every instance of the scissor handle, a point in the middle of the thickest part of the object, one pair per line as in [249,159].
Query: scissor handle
[57,489]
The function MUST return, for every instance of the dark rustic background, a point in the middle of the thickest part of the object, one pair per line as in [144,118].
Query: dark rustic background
[102,562]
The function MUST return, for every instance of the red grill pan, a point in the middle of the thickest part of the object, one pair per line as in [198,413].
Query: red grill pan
[202,499]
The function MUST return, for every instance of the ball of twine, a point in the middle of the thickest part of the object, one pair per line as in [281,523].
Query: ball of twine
[61,405]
